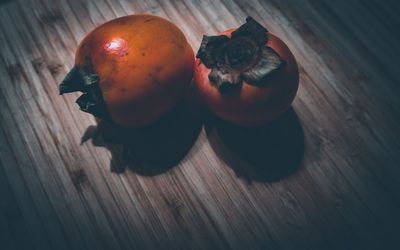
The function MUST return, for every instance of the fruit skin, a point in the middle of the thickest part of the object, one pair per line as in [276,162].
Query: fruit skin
[251,105]
[144,64]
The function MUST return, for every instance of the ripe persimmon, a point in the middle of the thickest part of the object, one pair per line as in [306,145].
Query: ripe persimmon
[132,70]
[246,76]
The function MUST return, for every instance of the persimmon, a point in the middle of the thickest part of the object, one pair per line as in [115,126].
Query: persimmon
[246,76]
[132,70]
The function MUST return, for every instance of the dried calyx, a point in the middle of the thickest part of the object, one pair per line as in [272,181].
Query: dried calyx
[83,80]
[243,57]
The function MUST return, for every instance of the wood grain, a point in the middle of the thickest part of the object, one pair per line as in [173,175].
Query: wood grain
[324,176]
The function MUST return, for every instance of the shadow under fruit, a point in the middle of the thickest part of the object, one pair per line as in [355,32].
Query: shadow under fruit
[149,150]
[267,153]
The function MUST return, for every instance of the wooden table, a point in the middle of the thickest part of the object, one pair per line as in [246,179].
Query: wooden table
[324,176]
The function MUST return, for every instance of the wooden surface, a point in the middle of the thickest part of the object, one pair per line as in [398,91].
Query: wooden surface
[325,176]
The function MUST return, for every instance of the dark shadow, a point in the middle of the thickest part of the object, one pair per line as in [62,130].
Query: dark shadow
[150,150]
[267,153]
[2,2]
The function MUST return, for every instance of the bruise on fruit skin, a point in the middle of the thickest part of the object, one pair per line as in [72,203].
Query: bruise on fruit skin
[145,48]
[158,69]
[156,80]
[243,57]
[180,47]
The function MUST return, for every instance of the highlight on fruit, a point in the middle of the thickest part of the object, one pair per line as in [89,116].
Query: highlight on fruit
[131,70]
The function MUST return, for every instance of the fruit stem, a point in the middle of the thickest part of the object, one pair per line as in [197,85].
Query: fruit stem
[72,82]
[83,80]
[244,56]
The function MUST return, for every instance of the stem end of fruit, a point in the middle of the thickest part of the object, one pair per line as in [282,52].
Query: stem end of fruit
[72,82]
[84,80]
[244,56]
